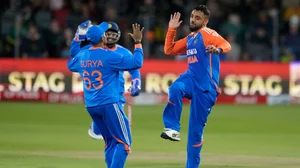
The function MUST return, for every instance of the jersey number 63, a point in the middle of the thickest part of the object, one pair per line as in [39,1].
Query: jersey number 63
[97,75]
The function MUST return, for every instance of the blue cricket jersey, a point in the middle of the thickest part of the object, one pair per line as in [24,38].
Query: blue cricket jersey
[135,73]
[99,69]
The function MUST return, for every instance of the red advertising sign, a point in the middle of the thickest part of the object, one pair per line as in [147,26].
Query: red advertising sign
[241,82]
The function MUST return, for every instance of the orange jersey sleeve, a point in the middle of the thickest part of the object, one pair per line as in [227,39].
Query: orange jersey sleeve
[211,37]
[174,47]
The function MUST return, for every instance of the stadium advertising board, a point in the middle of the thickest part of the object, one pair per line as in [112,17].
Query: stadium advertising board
[294,90]
[243,82]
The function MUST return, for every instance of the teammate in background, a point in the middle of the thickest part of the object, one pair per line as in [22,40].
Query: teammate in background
[199,83]
[99,69]
[113,35]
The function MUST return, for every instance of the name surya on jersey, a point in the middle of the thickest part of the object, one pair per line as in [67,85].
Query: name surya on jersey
[191,53]
[91,63]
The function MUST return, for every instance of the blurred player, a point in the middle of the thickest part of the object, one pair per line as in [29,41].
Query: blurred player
[199,83]
[113,35]
[99,69]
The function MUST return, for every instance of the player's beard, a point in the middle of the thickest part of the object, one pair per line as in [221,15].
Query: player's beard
[195,28]
[111,42]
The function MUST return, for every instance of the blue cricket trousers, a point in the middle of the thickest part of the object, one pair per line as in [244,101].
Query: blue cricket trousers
[95,129]
[112,122]
[200,108]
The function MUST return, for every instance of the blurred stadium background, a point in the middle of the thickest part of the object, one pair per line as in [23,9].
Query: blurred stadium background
[255,123]
[259,30]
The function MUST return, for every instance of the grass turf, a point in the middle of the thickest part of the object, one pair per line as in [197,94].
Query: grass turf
[39,135]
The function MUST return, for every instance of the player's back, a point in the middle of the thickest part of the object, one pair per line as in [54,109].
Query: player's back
[101,81]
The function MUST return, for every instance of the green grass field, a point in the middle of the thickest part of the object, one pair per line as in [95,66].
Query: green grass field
[34,135]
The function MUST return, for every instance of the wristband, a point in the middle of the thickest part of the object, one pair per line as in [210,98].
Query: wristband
[220,50]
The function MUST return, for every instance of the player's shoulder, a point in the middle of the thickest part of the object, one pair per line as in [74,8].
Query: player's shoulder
[123,50]
[96,52]
[113,53]
[86,47]
[82,52]
[120,47]
[205,31]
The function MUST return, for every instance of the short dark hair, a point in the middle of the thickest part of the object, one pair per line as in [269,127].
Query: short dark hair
[203,9]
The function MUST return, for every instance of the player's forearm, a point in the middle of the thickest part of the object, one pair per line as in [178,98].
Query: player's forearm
[138,56]
[128,61]
[225,46]
[169,42]
[75,48]
[135,74]
[171,47]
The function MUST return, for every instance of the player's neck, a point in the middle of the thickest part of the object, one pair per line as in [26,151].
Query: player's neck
[110,46]
[199,29]
[99,45]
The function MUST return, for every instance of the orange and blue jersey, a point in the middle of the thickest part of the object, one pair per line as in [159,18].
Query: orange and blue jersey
[203,67]
[135,73]
[199,84]
[99,69]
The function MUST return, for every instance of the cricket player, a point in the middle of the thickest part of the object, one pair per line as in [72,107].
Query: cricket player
[113,35]
[99,69]
[199,83]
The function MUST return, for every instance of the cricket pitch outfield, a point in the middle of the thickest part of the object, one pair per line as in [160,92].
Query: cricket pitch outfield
[38,135]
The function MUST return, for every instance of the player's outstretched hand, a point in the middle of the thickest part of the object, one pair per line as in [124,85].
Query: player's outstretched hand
[82,29]
[213,50]
[174,20]
[137,33]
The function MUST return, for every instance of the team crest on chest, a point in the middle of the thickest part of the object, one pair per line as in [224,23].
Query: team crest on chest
[195,41]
